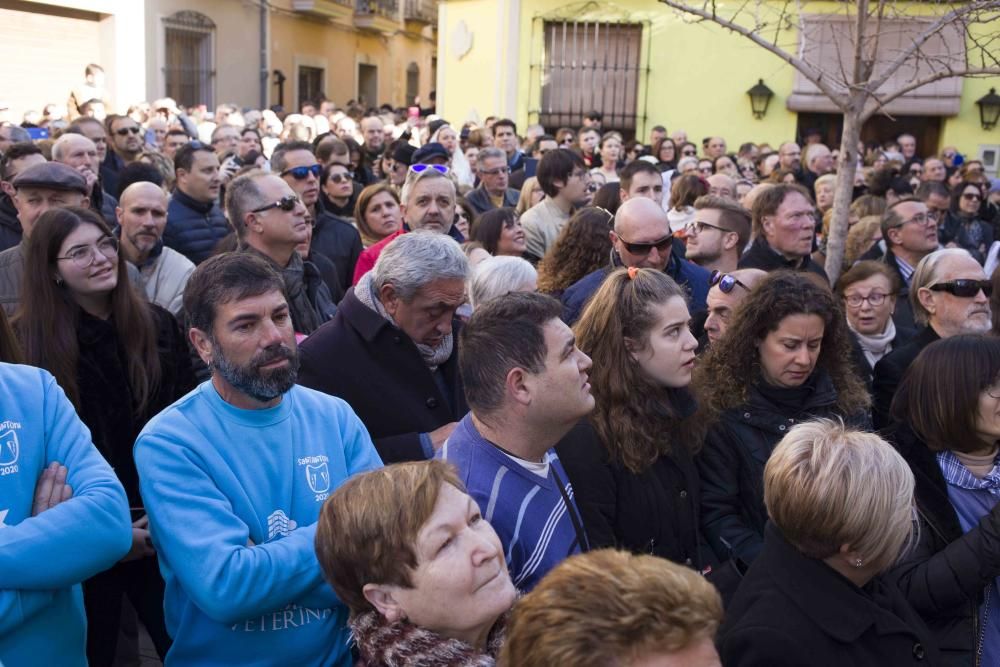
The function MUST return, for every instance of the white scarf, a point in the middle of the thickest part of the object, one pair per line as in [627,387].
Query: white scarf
[432,356]
[877,346]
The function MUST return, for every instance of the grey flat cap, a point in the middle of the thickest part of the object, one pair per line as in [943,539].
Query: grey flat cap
[53,176]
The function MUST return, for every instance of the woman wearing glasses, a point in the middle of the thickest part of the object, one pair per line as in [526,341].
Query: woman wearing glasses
[948,412]
[120,360]
[632,467]
[868,291]
[665,152]
[784,359]
[962,226]
[338,190]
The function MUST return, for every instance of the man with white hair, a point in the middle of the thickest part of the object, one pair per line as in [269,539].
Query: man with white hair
[79,152]
[390,350]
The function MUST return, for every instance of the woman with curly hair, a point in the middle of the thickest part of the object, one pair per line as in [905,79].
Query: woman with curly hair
[583,247]
[785,358]
[632,465]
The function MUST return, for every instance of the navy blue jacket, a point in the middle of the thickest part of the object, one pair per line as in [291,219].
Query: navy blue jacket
[193,227]
[688,275]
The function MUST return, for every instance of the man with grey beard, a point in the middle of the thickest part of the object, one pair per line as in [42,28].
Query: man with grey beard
[233,476]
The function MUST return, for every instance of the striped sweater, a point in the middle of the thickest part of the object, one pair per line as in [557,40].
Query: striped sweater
[527,511]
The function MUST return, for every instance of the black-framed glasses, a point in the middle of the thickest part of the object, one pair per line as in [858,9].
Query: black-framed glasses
[496,171]
[875,299]
[697,227]
[286,203]
[302,173]
[972,195]
[661,245]
[85,256]
[965,288]
[125,131]
[689,153]
[726,282]
[420,168]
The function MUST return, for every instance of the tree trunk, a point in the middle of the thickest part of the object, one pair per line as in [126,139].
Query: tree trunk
[847,166]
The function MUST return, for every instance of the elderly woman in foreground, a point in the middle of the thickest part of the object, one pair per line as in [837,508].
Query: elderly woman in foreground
[422,572]
[840,503]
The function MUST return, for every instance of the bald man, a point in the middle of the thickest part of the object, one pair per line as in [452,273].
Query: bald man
[79,152]
[726,294]
[641,237]
[164,272]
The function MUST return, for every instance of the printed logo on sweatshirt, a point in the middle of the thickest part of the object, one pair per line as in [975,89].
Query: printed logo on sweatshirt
[279,525]
[10,447]
[3,518]
[292,616]
[317,472]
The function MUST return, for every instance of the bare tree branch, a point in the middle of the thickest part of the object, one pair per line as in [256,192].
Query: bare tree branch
[883,100]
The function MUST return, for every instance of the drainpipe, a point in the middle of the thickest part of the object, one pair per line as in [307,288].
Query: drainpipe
[263,54]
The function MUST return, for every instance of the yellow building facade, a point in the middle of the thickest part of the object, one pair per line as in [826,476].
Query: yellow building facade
[503,57]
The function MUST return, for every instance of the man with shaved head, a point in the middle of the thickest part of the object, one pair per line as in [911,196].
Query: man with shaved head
[164,272]
[640,238]
[80,153]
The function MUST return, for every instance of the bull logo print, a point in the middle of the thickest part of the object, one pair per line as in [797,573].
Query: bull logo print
[318,477]
[9,448]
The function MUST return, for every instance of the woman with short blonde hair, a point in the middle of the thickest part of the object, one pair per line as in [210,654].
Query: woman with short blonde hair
[841,508]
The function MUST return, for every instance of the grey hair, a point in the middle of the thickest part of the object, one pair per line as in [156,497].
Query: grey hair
[415,259]
[497,276]
[684,161]
[414,177]
[926,274]
[491,152]
[242,196]
[17,133]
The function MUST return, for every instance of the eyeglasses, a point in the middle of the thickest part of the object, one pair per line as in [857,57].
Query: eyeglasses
[697,227]
[496,171]
[85,256]
[420,168]
[726,282]
[921,219]
[286,203]
[339,178]
[302,173]
[855,300]
[964,287]
[125,131]
[642,249]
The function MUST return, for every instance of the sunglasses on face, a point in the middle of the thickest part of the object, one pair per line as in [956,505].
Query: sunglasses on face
[642,249]
[286,203]
[339,178]
[964,287]
[420,168]
[125,131]
[302,173]
[689,153]
[971,196]
[726,282]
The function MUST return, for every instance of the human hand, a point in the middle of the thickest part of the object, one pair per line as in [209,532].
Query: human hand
[51,488]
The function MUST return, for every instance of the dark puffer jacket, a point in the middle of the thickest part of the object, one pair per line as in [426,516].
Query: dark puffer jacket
[193,227]
[945,576]
[732,464]
[10,226]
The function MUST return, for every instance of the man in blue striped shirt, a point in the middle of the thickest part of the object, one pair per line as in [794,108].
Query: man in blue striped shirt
[526,384]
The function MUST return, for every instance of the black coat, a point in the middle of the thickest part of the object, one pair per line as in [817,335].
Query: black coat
[339,241]
[903,315]
[889,373]
[107,405]
[10,225]
[375,367]
[732,465]
[654,512]
[864,369]
[945,576]
[761,256]
[796,611]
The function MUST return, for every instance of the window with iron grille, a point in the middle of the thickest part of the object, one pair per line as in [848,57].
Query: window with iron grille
[590,66]
[189,72]
[310,84]
[412,84]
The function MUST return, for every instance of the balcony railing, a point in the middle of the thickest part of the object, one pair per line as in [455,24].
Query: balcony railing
[421,11]
[386,8]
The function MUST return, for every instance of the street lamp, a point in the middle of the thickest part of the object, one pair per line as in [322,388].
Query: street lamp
[760,97]
[989,109]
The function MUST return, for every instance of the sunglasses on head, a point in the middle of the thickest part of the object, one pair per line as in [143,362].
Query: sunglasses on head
[302,173]
[286,203]
[726,282]
[420,168]
[964,287]
[662,245]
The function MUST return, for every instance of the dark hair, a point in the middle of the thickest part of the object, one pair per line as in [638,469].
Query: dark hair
[686,189]
[608,197]
[658,146]
[177,133]
[48,316]
[583,246]
[733,217]
[731,365]
[503,334]
[769,200]
[278,163]
[928,188]
[557,166]
[225,278]
[10,350]
[137,172]
[92,69]
[15,152]
[593,115]
[880,181]
[865,270]
[958,190]
[504,122]
[537,143]
[486,229]
[939,395]
[626,175]
[327,145]
[184,157]
[995,301]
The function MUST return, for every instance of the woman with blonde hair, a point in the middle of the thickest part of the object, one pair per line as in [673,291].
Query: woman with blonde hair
[861,238]
[531,194]
[632,466]
[377,213]
[841,514]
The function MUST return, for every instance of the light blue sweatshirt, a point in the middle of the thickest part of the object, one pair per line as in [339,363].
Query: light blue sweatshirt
[44,558]
[233,497]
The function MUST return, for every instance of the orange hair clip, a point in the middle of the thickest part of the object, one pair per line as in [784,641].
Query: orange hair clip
[632,271]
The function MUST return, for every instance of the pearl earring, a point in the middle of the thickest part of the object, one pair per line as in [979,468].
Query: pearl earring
[858,563]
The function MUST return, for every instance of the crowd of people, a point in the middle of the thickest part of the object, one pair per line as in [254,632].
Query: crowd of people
[360,386]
